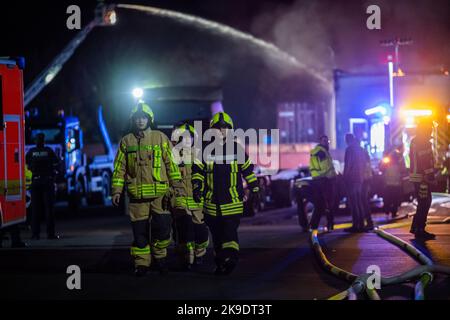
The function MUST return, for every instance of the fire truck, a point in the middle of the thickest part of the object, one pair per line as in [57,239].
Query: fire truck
[12,159]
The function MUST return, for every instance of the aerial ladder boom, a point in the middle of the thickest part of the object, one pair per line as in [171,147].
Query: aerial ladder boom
[104,16]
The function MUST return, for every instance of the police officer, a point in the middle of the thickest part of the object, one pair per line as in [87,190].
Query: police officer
[218,178]
[323,183]
[43,164]
[422,175]
[192,232]
[144,164]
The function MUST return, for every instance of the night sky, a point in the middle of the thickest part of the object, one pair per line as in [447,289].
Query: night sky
[147,51]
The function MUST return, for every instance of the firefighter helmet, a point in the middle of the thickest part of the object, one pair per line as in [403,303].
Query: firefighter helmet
[180,129]
[142,108]
[221,120]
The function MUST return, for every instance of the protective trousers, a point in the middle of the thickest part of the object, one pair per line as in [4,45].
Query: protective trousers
[151,224]
[224,231]
[423,194]
[192,234]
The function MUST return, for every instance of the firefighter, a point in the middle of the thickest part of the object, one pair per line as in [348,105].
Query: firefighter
[144,164]
[43,164]
[218,177]
[323,183]
[192,232]
[422,175]
[393,169]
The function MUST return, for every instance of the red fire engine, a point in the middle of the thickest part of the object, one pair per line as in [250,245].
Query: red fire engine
[12,160]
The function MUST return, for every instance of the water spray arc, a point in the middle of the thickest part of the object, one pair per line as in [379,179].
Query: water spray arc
[228,31]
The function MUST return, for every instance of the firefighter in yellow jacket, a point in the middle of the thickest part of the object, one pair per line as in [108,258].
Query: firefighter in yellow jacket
[144,164]
[422,174]
[218,179]
[192,232]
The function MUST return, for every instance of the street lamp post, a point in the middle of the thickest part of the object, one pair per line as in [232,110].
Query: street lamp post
[393,69]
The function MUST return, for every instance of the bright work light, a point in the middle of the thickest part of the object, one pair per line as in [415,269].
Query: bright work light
[138,93]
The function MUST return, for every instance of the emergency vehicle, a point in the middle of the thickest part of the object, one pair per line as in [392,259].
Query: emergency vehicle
[78,177]
[12,159]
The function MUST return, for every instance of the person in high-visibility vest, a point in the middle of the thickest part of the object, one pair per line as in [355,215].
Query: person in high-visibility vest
[323,183]
[218,179]
[192,232]
[422,174]
[144,164]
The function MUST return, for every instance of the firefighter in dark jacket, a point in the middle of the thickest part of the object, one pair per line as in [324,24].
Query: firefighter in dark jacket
[191,230]
[422,175]
[43,163]
[218,178]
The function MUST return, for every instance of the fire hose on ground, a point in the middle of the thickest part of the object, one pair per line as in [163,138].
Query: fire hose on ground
[359,283]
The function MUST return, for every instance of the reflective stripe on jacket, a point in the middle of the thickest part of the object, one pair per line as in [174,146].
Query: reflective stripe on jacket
[145,165]
[221,179]
[422,161]
[187,201]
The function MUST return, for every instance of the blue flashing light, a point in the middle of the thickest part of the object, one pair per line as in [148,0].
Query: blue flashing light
[376,110]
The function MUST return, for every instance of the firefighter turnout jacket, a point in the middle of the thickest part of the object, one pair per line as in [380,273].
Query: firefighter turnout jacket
[220,179]
[187,201]
[145,165]
[422,162]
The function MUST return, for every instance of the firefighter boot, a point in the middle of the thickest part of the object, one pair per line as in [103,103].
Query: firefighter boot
[162,266]
[160,237]
[424,235]
[201,241]
[229,265]
[140,249]
[140,271]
